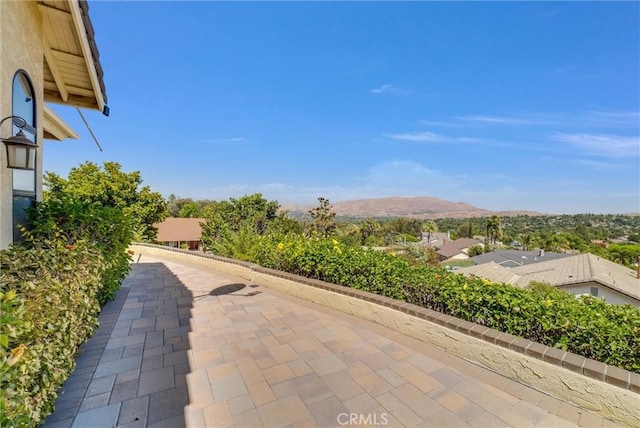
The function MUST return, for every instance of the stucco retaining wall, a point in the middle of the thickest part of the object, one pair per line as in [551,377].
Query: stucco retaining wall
[609,391]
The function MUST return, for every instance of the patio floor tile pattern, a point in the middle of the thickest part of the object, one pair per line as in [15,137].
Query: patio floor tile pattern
[186,346]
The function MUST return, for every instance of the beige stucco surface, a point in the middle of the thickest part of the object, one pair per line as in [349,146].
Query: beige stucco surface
[20,49]
[609,295]
[607,400]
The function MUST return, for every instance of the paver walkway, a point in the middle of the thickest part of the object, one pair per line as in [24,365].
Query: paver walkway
[185,346]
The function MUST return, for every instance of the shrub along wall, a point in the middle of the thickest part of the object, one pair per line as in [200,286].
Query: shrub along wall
[49,307]
[106,229]
[51,290]
[586,326]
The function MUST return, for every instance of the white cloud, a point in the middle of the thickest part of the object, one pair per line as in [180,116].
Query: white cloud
[598,165]
[382,89]
[238,190]
[223,140]
[422,137]
[430,137]
[499,120]
[411,178]
[589,163]
[390,90]
[602,144]
[617,118]
[388,178]
[579,120]
[440,124]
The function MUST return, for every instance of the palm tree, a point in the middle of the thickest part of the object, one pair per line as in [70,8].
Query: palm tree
[527,240]
[429,226]
[493,225]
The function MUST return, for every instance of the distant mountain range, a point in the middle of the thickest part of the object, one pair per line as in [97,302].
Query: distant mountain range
[423,207]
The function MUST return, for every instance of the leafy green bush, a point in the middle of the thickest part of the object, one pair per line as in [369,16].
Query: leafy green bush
[106,229]
[234,226]
[73,260]
[48,297]
[109,186]
[586,326]
[328,260]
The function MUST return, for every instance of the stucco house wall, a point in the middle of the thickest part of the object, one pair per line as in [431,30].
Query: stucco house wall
[609,295]
[52,44]
[20,49]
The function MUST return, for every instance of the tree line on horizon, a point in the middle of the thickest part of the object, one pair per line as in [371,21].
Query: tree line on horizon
[245,218]
[554,233]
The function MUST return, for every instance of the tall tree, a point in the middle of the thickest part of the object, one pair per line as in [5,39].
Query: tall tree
[405,226]
[527,240]
[493,227]
[626,254]
[322,218]
[368,228]
[252,210]
[233,226]
[109,186]
[430,227]
[191,209]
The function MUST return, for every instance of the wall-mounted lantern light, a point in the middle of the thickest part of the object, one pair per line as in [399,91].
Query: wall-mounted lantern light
[21,151]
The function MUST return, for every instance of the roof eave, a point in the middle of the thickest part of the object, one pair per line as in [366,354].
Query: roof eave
[76,19]
[82,22]
[55,128]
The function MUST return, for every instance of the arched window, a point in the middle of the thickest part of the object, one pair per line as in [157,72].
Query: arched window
[24,181]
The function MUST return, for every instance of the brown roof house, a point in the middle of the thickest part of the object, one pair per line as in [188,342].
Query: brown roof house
[49,55]
[456,250]
[579,274]
[435,239]
[181,233]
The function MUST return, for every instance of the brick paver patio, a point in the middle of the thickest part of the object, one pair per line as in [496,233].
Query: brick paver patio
[186,346]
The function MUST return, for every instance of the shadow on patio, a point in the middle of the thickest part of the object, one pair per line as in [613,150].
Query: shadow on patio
[132,371]
[184,345]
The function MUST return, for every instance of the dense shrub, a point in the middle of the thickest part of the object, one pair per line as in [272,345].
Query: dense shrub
[586,326]
[73,260]
[48,298]
[109,186]
[106,229]
[327,260]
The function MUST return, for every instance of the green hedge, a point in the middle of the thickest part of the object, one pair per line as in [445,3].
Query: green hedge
[106,229]
[586,326]
[49,307]
[73,260]
[329,260]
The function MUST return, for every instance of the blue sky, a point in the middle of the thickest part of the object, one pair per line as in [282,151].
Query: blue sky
[503,105]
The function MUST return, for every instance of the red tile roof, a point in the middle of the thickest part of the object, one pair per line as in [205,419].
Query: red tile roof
[179,229]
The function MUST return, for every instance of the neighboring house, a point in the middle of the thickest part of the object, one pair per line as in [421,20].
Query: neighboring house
[174,232]
[436,240]
[456,250]
[578,274]
[515,258]
[48,55]
[620,240]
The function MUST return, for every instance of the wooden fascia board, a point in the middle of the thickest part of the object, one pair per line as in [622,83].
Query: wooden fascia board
[81,31]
